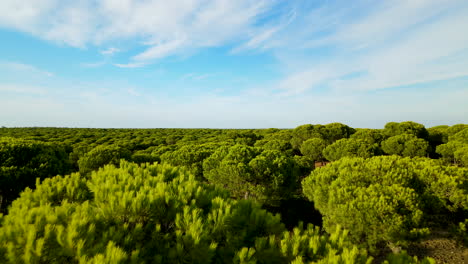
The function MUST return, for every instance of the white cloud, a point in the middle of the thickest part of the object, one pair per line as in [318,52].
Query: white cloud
[130,65]
[399,43]
[168,27]
[24,68]
[22,89]
[161,50]
[196,76]
[110,51]
[93,64]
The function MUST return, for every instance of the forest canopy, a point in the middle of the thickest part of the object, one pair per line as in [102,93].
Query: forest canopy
[313,194]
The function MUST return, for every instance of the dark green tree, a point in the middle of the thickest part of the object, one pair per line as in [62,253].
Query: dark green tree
[313,148]
[406,145]
[191,157]
[387,198]
[394,129]
[102,155]
[22,161]
[350,147]
[335,131]
[305,132]
[267,176]
[372,136]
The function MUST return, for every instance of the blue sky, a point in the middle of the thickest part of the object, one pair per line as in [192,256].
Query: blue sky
[232,64]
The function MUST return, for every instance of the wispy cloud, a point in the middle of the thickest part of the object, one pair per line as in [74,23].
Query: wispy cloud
[22,89]
[196,76]
[167,27]
[93,64]
[395,43]
[130,65]
[110,51]
[21,67]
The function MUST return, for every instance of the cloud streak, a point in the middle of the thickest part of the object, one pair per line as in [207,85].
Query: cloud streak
[167,27]
[395,44]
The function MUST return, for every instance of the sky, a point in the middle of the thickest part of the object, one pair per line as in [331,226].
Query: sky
[232,64]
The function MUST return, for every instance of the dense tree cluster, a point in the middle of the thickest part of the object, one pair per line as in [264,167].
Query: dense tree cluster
[267,176]
[22,161]
[388,198]
[212,195]
[154,214]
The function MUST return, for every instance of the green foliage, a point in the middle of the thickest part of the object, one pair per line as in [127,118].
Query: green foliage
[455,129]
[275,144]
[132,214]
[303,246]
[248,172]
[462,232]
[330,133]
[336,131]
[22,161]
[102,155]
[372,136]
[406,145]
[456,149]
[350,147]
[142,157]
[305,164]
[404,258]
[191,157]
[438,135]
[154,214]
[394,129]
[447,151]
[303,133]
[461,136]
[313,148]
[386,198]
[461,155]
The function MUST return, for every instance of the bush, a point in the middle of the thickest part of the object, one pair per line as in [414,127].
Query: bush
[153,214]
[388,198]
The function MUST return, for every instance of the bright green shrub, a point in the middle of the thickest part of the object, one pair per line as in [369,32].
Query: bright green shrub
[386,198]
[154,214]
[461,156]
[303,246]
[462,231]
[147,214]
[404,258]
